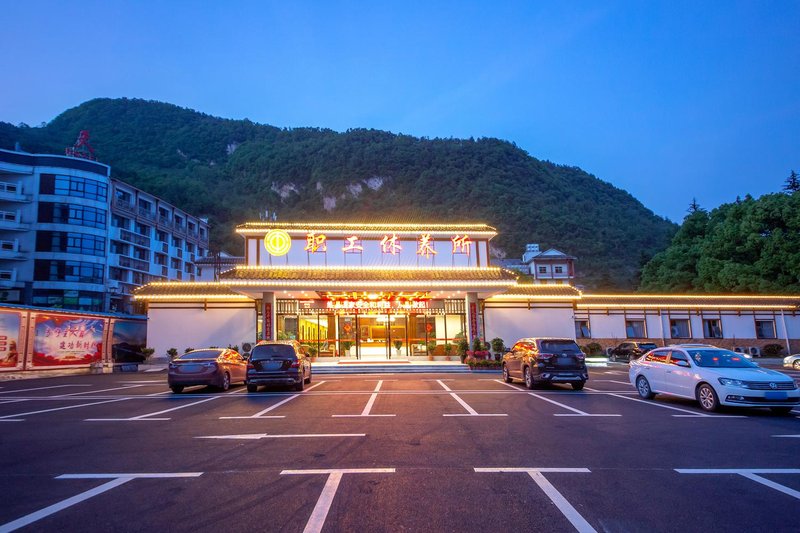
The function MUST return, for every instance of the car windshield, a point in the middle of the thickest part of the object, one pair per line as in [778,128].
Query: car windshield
[559,346]
[720,359]
[199,355]
[269,351]
[647,346]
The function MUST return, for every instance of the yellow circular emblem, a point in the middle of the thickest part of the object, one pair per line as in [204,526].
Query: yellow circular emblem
[277,242]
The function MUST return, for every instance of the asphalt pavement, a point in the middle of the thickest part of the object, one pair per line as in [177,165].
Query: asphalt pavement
[390,452]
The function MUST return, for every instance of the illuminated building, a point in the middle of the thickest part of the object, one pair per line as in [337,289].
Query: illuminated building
[362,289]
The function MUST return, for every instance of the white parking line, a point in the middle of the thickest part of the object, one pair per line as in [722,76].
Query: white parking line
[614,381]
[260,414]
[148,415]
[41,388]
[320,512]
[692,414]
[95,391]
[752,474]
[465,405]
[577,412]
[369,405]
[257,436]
[13,418]
[566,508]
[116,481]
[788,436]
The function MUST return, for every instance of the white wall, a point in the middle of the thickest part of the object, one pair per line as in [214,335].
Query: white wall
[513,324]
[183,328]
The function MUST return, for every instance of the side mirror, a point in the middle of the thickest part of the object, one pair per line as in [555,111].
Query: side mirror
[682,363]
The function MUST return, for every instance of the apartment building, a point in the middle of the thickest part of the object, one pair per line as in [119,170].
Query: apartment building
[73,237]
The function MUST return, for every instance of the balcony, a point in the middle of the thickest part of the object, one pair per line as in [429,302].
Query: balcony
[135,264]
[124,205]
[135,238]
[12,192]
[8,278]
[164,223]
[180,229]
[146,214]
[11,221]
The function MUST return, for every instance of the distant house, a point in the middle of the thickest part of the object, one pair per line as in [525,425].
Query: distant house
[211,266]
[549,267]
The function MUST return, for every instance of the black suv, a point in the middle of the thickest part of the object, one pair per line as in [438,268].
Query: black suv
[630,350]
[278,363]
[545,360]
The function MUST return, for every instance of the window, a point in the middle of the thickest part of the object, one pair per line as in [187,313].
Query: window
[70,271]
[712,328]
[542,270]
[68,299]
[73,186]
[144,205]
[678,356]
[582,329]
[657,356]
[120,222]
[559,270]
[765,329]
[161,236]
[679,328]
[176,242]
[143,229]
[78,215]
[634,329]
[68,242]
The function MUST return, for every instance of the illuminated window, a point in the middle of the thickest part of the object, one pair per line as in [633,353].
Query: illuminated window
[582,329]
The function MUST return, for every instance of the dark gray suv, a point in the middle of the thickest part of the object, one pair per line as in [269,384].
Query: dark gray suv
[278,363]
[546,360]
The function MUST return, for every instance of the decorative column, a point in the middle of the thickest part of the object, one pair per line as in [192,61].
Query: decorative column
[268,332]
[474,322]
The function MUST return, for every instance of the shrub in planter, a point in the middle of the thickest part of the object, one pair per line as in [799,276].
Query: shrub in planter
[593,348]
[772,350]
[172,353]
[448,349]
[463,348]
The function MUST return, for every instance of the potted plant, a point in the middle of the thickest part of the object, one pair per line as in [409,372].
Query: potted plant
[463,348]
[498,347]
[431,346]
[448,349]
[397,345]
[346,345]
[313,351]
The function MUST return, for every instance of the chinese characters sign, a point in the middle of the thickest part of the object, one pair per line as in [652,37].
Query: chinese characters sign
[64,340]
[376,305]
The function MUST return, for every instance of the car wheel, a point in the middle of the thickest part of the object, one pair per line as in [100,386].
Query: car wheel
[781,410]
[252,388]
[301,384]
[643,388]
[177,389]
[529,381]
[707,397]
[506,375]
[612,358]
[796,364]
[308,379]
[578,385]
[226,382]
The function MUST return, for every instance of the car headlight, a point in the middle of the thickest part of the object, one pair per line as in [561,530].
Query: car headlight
[731,382]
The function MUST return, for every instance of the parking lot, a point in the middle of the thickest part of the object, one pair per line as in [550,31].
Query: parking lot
[392,452]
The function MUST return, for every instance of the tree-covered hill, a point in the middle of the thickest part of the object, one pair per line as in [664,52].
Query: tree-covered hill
[749,246]
[235,170]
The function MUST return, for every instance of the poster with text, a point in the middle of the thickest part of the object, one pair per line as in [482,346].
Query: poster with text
[67,340]
[9,341]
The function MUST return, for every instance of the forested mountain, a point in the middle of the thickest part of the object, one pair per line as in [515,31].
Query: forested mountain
[749,246]
[234,170]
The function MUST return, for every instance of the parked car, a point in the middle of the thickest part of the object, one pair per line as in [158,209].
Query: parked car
[713,376]
[792,361]
[215,367]
[278,363]
[545,360]
[630,350]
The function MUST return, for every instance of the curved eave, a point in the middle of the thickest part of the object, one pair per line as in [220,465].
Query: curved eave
[340,228]
[188,291]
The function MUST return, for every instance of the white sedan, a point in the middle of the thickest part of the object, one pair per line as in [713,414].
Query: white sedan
[713,377]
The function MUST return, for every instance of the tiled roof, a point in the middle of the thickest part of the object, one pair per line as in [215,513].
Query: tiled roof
[540,290]
[367,274]
[187,289]
[740,301]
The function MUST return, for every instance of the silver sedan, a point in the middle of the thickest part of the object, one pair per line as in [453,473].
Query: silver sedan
[792,361]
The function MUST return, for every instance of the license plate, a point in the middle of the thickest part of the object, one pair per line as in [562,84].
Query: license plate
[273,365]
[775,395]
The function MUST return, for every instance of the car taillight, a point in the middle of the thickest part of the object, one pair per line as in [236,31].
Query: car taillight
[580,356]
[544,356]
[250,366]
[295,364]
[210,365]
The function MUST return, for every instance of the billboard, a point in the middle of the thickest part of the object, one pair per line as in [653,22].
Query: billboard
[67,340]
[127,340]
[9,341]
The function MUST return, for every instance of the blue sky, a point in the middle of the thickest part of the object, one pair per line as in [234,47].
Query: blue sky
[668,100]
